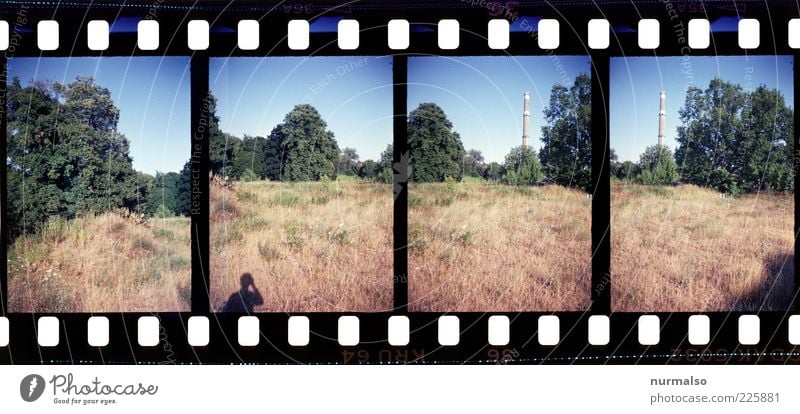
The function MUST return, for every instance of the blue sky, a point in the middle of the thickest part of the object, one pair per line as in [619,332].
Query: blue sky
[152,94]
[635,83]
[353,94]
[482,96]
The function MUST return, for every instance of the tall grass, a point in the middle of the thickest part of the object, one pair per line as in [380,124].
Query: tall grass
[689,249]
[475,246]
[310,247]
[103,263]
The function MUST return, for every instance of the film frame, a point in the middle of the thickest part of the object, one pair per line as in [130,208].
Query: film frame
[523,346]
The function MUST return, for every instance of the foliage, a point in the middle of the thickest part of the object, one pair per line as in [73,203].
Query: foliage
[522,166]
[566,154]
[435,149]
[302,147]
[492,171]
[657,166]
[348,161]
[735,140]
[473,163]
[65,157]
[385,165]
[170,191]
[249,175]
[247,155]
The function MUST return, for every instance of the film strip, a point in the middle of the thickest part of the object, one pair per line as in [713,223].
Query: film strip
[378,282]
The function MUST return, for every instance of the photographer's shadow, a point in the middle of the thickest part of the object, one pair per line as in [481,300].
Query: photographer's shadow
[244,300]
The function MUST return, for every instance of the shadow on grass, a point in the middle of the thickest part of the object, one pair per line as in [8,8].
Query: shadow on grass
[775,291]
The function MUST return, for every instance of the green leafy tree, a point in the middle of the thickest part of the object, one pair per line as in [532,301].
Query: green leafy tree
[368,170]
[385,168]
[736,141]
[301,148]
[493,171]
[168,193]
[64,154]
[435,149]
[522,167]
[628,170]
[248,155]
[473,163]
[219,152]
[566,154]
[348,161]
[657,166]
[249,175]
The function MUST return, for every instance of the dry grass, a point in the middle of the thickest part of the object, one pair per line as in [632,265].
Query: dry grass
[686,249]
[102,264]
[311,247]
[475,246]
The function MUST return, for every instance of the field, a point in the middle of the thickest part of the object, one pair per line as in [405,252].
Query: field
[688,249]
[104,263]
[311,247]
[475,246]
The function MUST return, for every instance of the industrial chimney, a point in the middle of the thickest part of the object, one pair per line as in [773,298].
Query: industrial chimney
[662,115]
[526,119]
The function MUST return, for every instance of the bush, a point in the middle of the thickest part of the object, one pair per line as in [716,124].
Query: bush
[249,175]
[162,211]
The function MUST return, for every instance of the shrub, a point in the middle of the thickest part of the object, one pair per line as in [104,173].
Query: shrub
[249,175]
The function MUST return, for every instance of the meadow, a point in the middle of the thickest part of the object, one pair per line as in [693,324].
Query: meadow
[321,246]
[102,263]
[690,249]
[476,246]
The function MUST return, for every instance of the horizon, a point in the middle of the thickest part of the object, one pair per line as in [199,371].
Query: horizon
[353,95]
[483,95]
[151,93]
[633,118]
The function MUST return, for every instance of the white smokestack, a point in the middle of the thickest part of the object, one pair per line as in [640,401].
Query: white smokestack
[662,117]
[526,119]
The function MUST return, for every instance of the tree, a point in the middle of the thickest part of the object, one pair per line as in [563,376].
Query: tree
[657,166]
[168,194]
[64,154]
[219,153]
[368,170]
[435,150]
[385,168]
[473,163]
[301,148]
[736,141]
[628,170]
[493,171]
[522,166]
[566,154]
[248,154]
[348,161]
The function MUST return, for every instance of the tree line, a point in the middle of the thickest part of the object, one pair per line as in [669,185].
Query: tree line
[437,153]
[65,157]
[730,139]
[300,148]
